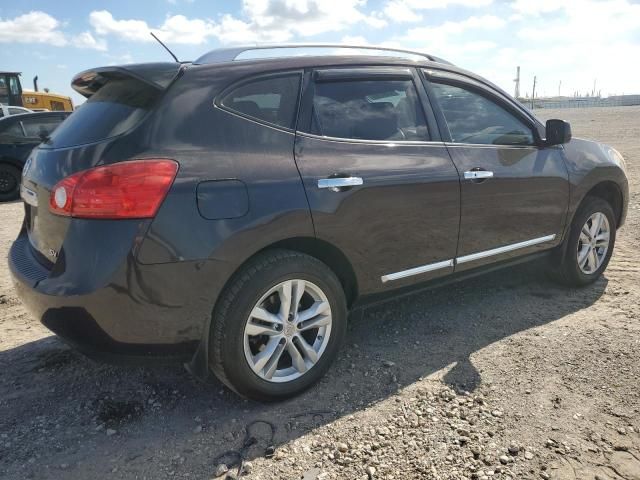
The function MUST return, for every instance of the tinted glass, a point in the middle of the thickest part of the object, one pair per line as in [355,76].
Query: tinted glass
[473,118]
[368,110]
[115,108]
[35,127]
[273,100]
[13,85]
[4,91]
[11,132]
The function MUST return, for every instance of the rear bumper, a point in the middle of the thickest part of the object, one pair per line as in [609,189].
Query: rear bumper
[140,313]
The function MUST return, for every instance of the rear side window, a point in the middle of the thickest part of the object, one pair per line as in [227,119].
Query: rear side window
[11,132]
[115,108]
[273,99]
[473,118]
[368,110]
[36,127]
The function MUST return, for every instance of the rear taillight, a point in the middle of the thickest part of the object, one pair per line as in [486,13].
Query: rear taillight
[133,189]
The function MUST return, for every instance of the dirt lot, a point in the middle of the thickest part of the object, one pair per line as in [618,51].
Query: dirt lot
[505,376]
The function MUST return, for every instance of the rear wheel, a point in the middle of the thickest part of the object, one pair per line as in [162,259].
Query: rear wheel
[589,244]
[277,326]
[9,182]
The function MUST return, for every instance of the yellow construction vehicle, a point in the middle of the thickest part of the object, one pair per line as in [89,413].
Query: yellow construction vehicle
[11,93]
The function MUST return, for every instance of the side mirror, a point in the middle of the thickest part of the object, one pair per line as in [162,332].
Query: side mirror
[557,132]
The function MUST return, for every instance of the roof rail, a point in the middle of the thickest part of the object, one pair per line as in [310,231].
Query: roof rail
[221,55]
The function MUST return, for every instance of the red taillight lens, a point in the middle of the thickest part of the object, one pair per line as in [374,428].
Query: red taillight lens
[133,189]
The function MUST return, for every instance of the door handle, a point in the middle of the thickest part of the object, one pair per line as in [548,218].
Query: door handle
[336,184]
[477,175]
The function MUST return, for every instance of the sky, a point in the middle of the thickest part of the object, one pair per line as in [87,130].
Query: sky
[569,45]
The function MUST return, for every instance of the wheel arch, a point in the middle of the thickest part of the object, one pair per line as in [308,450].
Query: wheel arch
[324,251]
[11,161]
[328,254]
[610,192]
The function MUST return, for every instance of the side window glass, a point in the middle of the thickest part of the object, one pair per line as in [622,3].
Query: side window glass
[35,128]
[13,85]
[12,134]
[4,91]
[368,110]
[473,118]
[272,100]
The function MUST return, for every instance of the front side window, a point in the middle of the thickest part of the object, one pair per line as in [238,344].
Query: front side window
[473,118]
[273,99]
[13,86]
[4,91]
[368,110]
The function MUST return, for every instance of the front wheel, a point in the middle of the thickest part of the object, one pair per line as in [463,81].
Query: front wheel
[589,244]
[277,326]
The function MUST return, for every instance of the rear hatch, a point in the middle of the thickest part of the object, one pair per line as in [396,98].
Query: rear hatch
[119,98]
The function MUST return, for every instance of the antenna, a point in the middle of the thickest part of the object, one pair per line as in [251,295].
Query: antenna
[165,47]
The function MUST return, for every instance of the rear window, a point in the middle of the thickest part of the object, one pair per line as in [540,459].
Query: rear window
[115,108]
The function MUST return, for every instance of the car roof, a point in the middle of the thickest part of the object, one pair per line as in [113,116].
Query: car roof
[222,55]
[261,65]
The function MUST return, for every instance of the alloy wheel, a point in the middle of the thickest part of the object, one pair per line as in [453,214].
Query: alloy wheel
[593,243]
[287,331]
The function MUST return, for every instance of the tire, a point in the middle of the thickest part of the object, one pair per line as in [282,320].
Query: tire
[234,351]
[569,271]
[9,182]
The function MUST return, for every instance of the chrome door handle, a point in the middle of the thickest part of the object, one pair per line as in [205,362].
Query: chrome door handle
[477,175]
[337,183]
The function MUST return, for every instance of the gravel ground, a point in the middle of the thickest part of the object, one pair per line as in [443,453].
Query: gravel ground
[504,376]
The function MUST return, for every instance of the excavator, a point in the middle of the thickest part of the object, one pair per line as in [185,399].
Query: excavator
[11,93]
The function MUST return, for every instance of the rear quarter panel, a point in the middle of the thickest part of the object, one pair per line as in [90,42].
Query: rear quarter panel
[213,144]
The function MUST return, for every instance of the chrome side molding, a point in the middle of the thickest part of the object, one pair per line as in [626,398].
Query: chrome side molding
[417,270]
[505,249]
[465,259]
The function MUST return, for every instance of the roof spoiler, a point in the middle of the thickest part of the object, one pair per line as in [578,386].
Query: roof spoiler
[156,75]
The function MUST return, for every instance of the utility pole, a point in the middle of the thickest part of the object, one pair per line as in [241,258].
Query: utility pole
[533,93]
[517,81]
[559,87]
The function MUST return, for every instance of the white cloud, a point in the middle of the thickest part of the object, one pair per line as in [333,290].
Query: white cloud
[440,35]
[408,10]
[104,24]
[86,40]
[32,27]
[354,40]
[537,7]
[40,27]
[261,21]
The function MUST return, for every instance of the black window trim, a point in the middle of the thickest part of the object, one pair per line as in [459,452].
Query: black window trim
[458,80]
[365,72]
[217,101]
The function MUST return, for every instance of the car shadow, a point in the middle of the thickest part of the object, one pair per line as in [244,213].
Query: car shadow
[56,404]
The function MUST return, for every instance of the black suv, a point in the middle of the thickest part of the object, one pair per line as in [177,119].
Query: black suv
[19,134]
[232,211]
